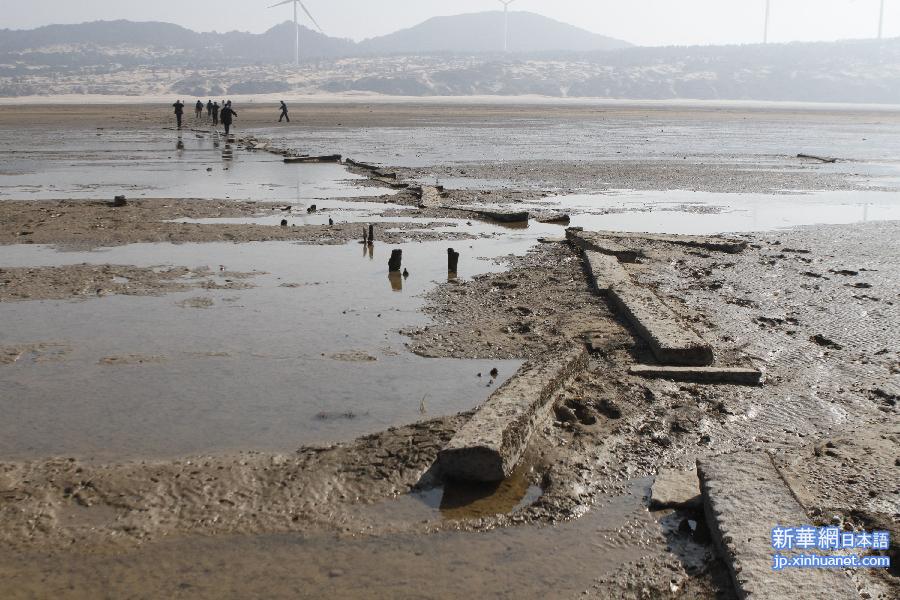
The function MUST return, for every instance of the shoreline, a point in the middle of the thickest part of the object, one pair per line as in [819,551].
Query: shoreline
[527,100]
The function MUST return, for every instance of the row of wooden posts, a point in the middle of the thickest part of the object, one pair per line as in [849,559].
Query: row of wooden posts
[395,263]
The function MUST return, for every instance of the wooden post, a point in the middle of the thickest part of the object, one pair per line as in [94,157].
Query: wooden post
[396,261]
[452,260]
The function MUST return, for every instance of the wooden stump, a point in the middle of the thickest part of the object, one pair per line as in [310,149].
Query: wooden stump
[452,260]
[396,261]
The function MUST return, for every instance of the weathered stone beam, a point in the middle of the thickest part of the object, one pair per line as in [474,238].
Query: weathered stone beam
[489,446]
[744,498]
[589,241]
[605,271]
[331,158]
[735,375]
[431,196]
[500,216]
[551,218]
[675,489]
[672,342]
[713,243]
[360,165]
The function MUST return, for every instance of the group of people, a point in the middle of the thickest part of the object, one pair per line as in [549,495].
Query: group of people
[216,113]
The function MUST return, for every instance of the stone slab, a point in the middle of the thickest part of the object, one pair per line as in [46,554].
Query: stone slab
[713,243]
[360,165]
[490,445]
[675,489]
[551,218]
[331,158]
[744,497]
[590,241]
[605,271]
[671,341]
[501,216]
[431,196]
[733,375]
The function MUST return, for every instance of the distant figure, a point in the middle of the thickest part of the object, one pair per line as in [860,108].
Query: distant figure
[198,110]
[227,115]
[208,110]
[179,112]
[284,113]
[215,114]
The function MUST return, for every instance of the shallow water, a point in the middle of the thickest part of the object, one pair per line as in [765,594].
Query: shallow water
[246,372]
[703,213]
[150,164]
[761,137]
[699,213]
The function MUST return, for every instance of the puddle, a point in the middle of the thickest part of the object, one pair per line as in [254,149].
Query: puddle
[528,561]
[701,213]
[457,501]
[220,370]
[91,170]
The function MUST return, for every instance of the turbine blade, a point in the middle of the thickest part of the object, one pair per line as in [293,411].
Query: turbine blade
[308,14]
[281,3]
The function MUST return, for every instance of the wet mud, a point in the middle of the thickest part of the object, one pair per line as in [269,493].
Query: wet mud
[814,308]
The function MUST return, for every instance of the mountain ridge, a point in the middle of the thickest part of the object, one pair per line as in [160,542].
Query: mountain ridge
[466,33]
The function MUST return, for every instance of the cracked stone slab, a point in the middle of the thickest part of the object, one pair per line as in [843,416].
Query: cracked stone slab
[732,375]
[605,271]
[744,497]
[671,341]
[489,446]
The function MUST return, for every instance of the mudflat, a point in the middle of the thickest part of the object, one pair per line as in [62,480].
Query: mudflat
[257,408]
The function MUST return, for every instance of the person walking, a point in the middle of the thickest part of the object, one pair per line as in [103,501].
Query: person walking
[198,110]
[227,115]
[284,113]
[215,114]
[179,112]
[208,110]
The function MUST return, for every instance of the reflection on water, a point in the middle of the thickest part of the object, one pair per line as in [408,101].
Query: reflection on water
[396,280]
[699,213]
[252,370]
[195,169]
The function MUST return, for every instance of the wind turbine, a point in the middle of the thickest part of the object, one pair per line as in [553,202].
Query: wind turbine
[506,4]
[297,24]
[766,29]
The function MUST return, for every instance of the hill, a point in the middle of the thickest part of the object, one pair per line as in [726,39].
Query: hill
[483,32]
[123,58]
[153,41]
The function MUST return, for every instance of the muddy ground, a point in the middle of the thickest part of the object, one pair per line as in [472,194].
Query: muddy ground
[827,411]
[87,225]
[815,308]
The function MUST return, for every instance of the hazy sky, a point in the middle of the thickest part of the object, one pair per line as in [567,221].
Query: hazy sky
[645,22]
